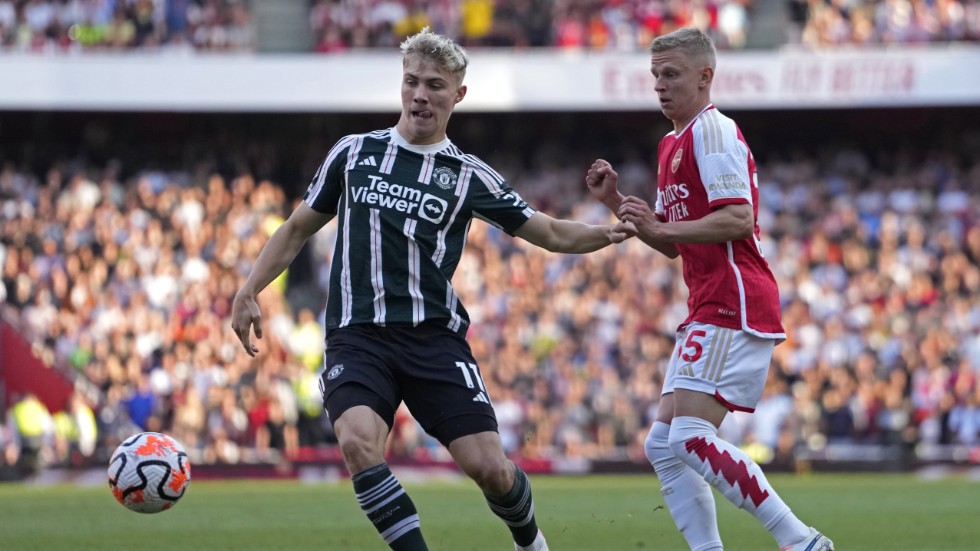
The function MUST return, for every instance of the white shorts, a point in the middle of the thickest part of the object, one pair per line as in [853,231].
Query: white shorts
[729,364]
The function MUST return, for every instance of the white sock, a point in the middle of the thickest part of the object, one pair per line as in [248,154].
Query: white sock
[689,499]
[727,468]
[539,544]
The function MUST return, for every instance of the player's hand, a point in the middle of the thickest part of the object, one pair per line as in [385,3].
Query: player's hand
[626,228]
[245,314]
[621,231]
[601,180]
[637,212]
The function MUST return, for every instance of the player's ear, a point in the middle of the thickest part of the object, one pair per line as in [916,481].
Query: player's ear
[460,93]
[707,74]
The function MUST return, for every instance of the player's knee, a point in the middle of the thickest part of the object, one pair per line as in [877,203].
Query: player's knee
[360,451]
[689,434]
[677,442]
[656,447]
[493,477]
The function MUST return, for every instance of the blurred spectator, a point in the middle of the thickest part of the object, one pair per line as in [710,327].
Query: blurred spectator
[276,434]
[33,434]
[9,449]
[141,405]
[306,340]
[76,431]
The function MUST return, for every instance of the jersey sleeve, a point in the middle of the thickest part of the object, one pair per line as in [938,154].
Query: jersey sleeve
[495,202]
[723,161]
[324,192]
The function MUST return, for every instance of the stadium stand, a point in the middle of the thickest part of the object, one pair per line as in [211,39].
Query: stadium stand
[47,26]
[335,26]
[631,25]
[607,24]
[822,24]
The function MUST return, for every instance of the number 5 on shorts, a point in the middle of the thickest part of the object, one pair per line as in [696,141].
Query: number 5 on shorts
[693,345]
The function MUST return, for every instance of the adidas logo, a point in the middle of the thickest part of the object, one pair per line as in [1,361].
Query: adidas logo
[687,371]
[367,161]
[481,397]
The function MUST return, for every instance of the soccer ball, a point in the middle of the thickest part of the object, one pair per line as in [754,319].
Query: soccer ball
[149,472]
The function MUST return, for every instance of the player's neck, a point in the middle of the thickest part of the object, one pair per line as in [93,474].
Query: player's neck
[420,138]
[681,123]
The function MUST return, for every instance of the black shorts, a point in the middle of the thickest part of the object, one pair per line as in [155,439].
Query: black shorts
[429,367]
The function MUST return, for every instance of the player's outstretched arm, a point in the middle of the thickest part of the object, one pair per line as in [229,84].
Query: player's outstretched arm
[276,255]
[568,236]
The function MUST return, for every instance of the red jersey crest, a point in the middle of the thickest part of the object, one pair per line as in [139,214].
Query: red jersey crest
[676,162]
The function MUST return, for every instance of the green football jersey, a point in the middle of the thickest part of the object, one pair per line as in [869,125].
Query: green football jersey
[404,212]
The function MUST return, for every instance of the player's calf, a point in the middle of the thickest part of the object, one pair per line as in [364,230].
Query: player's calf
[389,508]
[727,468]
[516,509]
[687,496]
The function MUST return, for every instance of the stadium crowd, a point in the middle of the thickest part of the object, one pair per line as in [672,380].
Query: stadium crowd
[114,25]
[834,23]
[630,25]
[343,25]
[581,24]
[127,282]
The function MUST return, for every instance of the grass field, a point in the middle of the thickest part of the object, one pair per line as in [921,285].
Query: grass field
[866,512]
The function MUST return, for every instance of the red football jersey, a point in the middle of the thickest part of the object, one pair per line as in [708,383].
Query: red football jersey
[706,166]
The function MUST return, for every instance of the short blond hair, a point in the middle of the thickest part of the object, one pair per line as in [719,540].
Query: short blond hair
[439,49]
[693,42]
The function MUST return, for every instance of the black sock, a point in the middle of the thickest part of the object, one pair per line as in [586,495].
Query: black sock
[517,509]
[389,508]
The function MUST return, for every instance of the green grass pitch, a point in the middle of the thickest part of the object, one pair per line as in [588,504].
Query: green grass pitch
[861,512]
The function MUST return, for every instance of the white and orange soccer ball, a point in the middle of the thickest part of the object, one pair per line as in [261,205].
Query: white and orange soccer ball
[149,472]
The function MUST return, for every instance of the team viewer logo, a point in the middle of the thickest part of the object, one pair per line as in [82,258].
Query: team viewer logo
[444,177]
[676,162]
[432,208]
[404,199]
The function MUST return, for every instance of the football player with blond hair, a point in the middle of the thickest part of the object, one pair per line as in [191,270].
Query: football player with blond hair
[404,198]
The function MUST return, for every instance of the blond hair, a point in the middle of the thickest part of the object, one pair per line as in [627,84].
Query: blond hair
[441,50]
[692,42]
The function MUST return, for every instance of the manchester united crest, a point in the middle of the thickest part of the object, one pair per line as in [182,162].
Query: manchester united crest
[444,177]
[335,372]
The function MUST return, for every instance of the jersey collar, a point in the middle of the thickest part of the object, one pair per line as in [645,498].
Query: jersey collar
[400,141]
[696,117]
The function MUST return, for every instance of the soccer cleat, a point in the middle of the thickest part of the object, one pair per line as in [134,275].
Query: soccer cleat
[538,544]
[814,542]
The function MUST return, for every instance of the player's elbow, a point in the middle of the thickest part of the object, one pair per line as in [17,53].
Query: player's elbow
[746,230]
[742,223]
